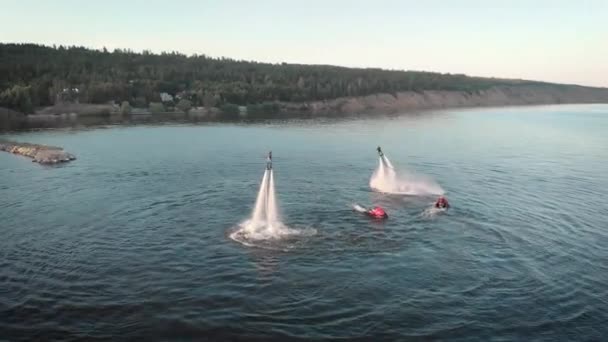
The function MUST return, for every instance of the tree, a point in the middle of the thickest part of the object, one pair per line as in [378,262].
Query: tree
[125,108]
[122,75]
[140,102]
[19,98]
[156,107]
[230,111]
[184,105]
[209,100]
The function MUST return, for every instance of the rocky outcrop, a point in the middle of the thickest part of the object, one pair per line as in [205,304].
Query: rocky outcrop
[39,153]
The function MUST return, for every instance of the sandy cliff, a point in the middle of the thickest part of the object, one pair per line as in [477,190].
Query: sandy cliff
[495,96]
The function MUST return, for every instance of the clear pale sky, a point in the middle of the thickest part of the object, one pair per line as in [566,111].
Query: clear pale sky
[562,41]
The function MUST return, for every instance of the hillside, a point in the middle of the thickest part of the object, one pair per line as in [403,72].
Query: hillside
[36,75]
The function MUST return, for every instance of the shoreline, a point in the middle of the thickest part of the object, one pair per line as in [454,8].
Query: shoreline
[118,122]
[370,105]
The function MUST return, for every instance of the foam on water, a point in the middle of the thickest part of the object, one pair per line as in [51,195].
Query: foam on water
[385,179]
[359,208]
[432,212]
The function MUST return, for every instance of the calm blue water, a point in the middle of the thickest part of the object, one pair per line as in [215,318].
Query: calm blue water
[130,241]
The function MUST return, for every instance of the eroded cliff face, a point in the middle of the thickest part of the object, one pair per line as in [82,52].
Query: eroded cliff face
[39,153]
[413,101]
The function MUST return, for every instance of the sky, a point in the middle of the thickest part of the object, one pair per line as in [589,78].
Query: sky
[564,41]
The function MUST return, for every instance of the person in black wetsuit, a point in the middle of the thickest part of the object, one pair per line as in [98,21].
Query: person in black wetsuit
[269,161]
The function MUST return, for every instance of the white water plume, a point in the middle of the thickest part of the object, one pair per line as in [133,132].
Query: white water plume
[385,179]
[265,223]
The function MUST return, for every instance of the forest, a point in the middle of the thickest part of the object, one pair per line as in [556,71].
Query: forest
[33,76]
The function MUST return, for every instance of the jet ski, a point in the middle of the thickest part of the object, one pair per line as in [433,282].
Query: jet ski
[376,212]
[380,151]
[442,203]
[269,161]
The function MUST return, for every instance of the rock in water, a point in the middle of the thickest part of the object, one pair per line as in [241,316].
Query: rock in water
[52,157]
[40,153]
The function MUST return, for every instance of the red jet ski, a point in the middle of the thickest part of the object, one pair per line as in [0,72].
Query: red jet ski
[376,212]
[442,203]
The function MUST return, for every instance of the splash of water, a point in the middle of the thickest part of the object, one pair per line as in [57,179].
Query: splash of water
[359,208]
[432,212]
[265,222]
[385,179]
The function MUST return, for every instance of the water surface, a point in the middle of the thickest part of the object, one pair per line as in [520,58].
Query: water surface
[131,241]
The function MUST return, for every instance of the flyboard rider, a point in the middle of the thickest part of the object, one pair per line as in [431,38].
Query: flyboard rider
[269,161]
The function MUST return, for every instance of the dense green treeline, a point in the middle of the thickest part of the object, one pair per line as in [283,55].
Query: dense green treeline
[36,75]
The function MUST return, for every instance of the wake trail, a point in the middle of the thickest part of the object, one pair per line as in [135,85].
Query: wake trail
[385,179]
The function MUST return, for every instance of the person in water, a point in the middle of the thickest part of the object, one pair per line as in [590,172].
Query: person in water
[377,212]
[379,151]
[442,203]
